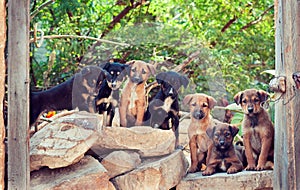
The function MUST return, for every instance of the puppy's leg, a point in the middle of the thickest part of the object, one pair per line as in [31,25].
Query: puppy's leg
[236,165]
[122,111]
[140,113]
[249,152]
[194,158]
[266,144]
[211,166]
[175,123]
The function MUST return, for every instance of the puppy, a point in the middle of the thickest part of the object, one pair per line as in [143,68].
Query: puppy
[200,106]
[108,97]
[222,154]
[165,107]
[77,92]
[133,98]
[258,130]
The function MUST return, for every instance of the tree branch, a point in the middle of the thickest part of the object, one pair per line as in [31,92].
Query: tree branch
[79,37]
[258,19]
[121,15]
[229,23]
[35,12]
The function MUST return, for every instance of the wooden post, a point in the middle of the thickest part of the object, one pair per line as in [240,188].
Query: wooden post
[2,89]
[18,94]
[287,109]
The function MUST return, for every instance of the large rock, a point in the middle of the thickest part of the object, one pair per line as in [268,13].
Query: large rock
[88,173]
[119,162]
[146,141]
[246,180]
[163,174]
[64,141]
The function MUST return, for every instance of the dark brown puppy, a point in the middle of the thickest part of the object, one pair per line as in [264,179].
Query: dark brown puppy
[133,97]
[200,106]
[258,130]
[222,154]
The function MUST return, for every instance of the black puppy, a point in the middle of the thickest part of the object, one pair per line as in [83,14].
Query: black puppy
[108,96]
[165,106]
[77,92]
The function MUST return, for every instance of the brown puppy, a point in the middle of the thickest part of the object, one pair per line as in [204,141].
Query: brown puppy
[258,130]
[133,98]
[200,106]
[222,154]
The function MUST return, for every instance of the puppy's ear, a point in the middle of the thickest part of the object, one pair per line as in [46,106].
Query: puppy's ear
[152,69]
[233,129]
[211,102]
[187,99]
[130,62]
[160,78]
[106,66]
[210,132]
[184,81]
[238,98]
[126,69]
[263,95]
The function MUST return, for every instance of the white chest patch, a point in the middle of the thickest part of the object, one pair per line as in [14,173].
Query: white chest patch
[167,104]
[133,98]
[223,166]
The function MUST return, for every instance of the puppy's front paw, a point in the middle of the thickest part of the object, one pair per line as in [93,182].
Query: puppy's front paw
[232,170]
[192,170]
[208,172]
[250,167]
[260,167]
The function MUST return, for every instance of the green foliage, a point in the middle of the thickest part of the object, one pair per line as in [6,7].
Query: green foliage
[232,55]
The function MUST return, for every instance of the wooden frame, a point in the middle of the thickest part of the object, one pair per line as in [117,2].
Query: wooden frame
[287,109]
[18,94]
[287,114]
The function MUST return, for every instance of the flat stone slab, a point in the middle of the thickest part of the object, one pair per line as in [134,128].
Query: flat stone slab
[88,173]
[246,180]
[146,141]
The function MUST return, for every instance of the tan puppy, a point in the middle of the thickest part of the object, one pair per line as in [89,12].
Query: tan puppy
[133,97]
[200,106]
[258,130]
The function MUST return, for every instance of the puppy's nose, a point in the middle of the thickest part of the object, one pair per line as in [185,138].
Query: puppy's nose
[136,79]
[250,109]
[222,142]
[198,114]
[113,84]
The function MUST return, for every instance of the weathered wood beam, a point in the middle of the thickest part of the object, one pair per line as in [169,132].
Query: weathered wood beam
[2,90]
[18,94]
[287,109]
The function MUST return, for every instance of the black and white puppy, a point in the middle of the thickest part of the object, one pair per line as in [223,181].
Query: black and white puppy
[77,92]
[165,107]
[108,97]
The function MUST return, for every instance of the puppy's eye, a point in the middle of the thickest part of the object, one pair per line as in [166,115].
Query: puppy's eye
[256,100]
[227,135]
[112,72]
[193,104]
[133,69]
[244,101]
[143,71]
[205,105]
[118,73]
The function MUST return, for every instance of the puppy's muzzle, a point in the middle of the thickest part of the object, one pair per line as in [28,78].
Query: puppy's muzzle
[250,109]
[199,114]
[137,80]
